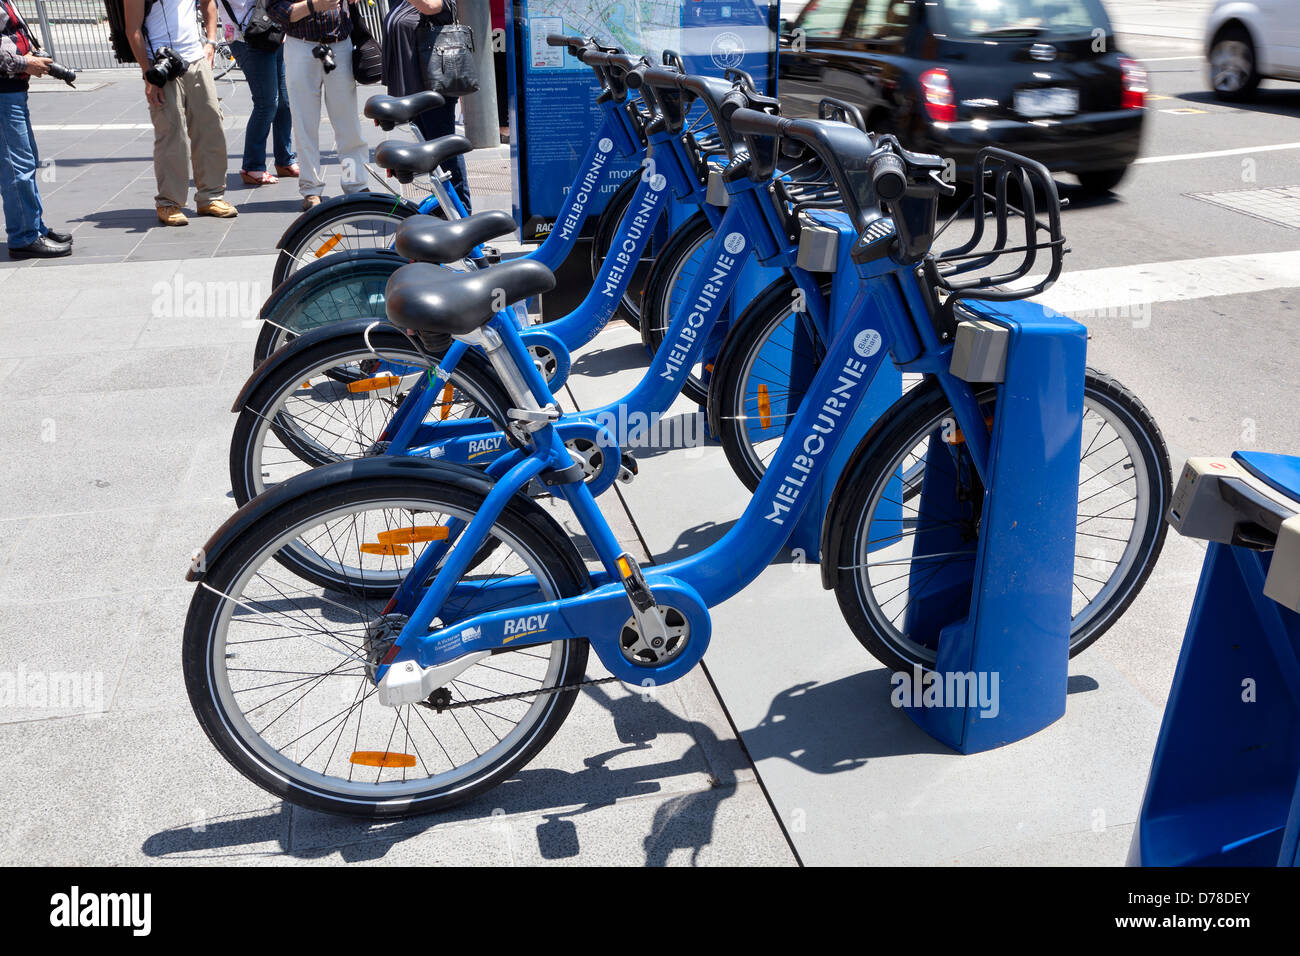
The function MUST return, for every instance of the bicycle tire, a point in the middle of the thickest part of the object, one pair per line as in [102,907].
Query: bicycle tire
[851,516]
[264,410]
[293,246]
[529,531]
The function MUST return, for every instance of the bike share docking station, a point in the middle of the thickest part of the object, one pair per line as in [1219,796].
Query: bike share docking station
[998,607]
[1224,788]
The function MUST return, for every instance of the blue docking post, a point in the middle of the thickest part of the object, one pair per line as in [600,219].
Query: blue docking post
[1002,617]
[1224,788]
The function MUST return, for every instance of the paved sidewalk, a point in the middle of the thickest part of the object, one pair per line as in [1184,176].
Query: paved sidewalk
[97,144]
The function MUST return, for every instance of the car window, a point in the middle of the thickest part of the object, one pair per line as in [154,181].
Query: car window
[825,18]
[968,19]
[882,20]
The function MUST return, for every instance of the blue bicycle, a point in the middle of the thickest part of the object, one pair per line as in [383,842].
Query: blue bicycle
[338,392]
[441,636]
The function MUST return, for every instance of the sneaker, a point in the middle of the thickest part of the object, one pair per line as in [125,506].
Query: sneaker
[310,202]
[218,208]
[42,248]
[172,216]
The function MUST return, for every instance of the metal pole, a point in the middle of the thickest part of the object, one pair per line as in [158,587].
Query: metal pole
[47,35]
[480,109]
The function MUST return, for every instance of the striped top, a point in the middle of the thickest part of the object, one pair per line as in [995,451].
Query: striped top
[324,27]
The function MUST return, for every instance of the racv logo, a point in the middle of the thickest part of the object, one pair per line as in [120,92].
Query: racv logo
[483,446]
[524,626]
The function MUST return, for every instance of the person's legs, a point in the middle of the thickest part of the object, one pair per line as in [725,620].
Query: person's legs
[207,135]
[18,163]
[442,122]
[171,147]
[345,117]
[304,78]
[282,129]
[263,86]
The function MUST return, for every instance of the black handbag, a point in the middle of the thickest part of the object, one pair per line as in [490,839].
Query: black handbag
[447,54]
[260,31]
[367,57]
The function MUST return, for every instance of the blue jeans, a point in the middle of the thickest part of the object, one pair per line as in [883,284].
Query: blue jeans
[265,74]
[18,163]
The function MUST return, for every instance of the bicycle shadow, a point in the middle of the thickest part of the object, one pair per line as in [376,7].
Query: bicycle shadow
[602,362]
[821,728]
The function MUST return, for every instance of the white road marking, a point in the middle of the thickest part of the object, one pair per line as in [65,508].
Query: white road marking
[1168,59]
[1182,157]
[1118,287]
[88,127]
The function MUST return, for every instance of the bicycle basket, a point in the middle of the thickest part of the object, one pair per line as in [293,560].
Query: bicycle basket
[995,263]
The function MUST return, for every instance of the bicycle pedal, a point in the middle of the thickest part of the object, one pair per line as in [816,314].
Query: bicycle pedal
[627,469]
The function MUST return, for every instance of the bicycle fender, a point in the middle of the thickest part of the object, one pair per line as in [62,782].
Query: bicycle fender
[309,482]
[343,261]
[350,328]
[326,207]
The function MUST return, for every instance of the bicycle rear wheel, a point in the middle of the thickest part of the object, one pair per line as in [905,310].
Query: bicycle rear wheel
[280,671]
[330,401]
[366,222]
[887,551]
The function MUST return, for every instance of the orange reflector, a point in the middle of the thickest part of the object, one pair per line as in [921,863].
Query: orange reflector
[445,407]
[306,384]
[373,384]
[329,244]
[957,437]
[624,568]
[709,368]
[395,549]
[382,758]
[764,407]
[430,532]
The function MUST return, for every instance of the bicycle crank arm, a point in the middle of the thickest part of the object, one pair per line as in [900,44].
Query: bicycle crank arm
[604,617]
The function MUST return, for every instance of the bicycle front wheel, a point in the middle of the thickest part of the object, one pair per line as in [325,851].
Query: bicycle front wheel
[281,672]
[670,277]
[888,549]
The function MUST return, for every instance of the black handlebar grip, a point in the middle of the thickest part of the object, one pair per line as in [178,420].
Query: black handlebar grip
[559,39]
[749,122]
[889,177]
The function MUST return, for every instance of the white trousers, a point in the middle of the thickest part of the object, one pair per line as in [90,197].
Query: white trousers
[307,82]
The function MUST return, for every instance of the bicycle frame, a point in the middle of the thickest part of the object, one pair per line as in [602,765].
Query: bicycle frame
[888,315]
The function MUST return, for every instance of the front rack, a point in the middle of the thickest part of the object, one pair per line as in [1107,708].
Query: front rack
[1002,178]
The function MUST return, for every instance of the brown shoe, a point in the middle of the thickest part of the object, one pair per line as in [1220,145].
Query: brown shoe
[172,216]
[310,202]
[288,172]
[218,208]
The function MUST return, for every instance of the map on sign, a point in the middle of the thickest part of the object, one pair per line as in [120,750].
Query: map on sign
[637,26]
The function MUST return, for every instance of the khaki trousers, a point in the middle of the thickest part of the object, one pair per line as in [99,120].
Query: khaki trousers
[187,131]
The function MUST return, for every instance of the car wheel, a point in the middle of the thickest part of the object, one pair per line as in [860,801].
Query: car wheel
[1232,65]
[1101,181]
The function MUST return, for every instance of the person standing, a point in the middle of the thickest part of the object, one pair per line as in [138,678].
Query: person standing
[28,236]
[318,33]
[264,70]
[187,130]
[404,73]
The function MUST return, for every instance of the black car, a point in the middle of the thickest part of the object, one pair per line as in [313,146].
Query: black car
[950,76]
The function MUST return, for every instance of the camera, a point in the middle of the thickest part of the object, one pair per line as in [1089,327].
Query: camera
[61,72]
[322,52]
[167,65]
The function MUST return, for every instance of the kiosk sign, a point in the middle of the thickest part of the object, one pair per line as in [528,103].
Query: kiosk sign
[553,111]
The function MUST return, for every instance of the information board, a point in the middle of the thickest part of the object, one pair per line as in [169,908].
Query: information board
[553,111]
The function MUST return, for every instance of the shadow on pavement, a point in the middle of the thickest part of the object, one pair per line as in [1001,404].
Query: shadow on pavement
[1280,102]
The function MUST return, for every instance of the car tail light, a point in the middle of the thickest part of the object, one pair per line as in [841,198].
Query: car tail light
[940,101]
[1135,84]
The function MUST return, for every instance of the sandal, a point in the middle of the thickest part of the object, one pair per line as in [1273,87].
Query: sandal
[259,178]
[289,172]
